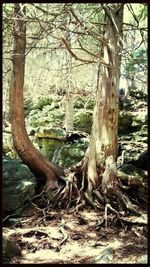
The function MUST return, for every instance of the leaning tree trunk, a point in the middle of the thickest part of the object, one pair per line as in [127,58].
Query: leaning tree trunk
[23,145]
[102,151]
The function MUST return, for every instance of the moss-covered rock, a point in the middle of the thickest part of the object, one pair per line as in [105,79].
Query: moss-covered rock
[79,103]
[133,151]
[90,103]
[10,248]
[138,179]
[47,116]
[69,154]
[18,185]
[49,147]
[43,101]
[83,120]
[52,133]
[28,104]
[130,169]
[50,140]
[124,122]
[59,149]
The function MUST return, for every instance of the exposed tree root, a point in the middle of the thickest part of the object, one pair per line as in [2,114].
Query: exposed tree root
[73,192]
[105,215]
[64,233]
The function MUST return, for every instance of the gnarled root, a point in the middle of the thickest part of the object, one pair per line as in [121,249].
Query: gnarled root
[73,190]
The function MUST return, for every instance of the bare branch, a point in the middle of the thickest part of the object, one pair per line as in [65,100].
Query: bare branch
[67,46]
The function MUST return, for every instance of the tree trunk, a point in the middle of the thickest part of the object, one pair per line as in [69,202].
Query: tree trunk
[68,123]
[102,151]
[24,147]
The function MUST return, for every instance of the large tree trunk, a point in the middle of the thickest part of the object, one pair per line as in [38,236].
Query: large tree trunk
[24,147]
[102,151]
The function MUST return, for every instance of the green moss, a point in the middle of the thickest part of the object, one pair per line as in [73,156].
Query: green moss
[124,122]
[90,104]
[33,120]
[79,103]
[52,133]
[132,170]
[27,107]
[69,154]
[43,102]
[49,146]
[83,121]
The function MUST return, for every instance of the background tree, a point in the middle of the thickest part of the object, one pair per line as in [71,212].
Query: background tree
[68,123]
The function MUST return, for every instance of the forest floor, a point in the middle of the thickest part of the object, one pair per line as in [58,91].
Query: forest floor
[63,237]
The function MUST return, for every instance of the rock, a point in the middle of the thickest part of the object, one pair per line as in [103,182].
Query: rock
[141,161]
[130,169]
[79,103]
[143,259]
[48,116]
[90,103]
[50,140]
[28,104]
[124,122]
[105,256]
[133,153]
[52,133]
[10,248]
[83,120]
[61,148]
[138,120]
[18,185]
[43,101]
[48,147]
[69,154]
[139,179]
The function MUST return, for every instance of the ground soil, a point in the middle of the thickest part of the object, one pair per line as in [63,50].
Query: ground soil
[64,237]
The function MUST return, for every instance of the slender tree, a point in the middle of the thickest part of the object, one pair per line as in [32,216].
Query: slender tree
[68,123]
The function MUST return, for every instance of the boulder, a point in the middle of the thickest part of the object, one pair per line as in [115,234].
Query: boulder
[43,101]
[18,185]
[69,154]
[139,181]
[105,256]
[63,149]
[49,115]
[90,103]
[83,120]
[10,248]
[130,169]
[124,122]
[52,133]
[133,148]
[79,103]
[141,161]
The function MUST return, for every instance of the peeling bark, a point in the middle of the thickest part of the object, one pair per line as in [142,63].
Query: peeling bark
[104,133]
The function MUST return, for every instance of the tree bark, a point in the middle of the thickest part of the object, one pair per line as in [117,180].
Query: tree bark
[68,123]
[38,164]
[103,144]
